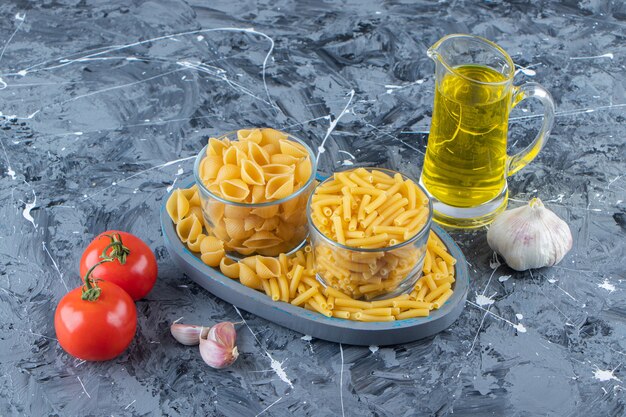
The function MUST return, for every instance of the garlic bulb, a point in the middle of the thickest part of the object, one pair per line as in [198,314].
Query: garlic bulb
[530,236]
[217,345]
[187,334]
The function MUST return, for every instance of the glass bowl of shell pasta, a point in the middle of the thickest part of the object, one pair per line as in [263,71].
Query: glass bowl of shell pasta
[369,229]
[254,185]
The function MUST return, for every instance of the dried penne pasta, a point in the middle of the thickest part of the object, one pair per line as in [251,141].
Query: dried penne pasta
[319,299]
[441,252]
[437,292]
[347,302]
[442,299]
[421,312]
[389,302]
[274,288]
[380,311]
[320,308]
[266,287]
[348,309]
[421,294]
[311,282]
[305,296]
[360,316]
[428,279]
[412,304]
[341,314]
[329,291]
[428,262]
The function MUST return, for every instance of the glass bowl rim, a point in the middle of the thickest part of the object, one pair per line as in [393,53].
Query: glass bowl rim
[203,188]
[420,234]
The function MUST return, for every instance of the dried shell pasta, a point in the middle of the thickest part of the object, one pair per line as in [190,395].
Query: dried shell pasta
[234,190]
[214,188]
[219,230]
[272,136]
[195,200]
[233,156]
[196,211]
[283,159]
[253,222]
[188,229]
[262,239]
[214,210]
[242,250]
[258,154]
[235,228]
[269,224]
[274,170]
[258,194]
[259,167]
[217,147]
[195,244]
[250,261]
[236,212]
[266,212]
[189,192]
[212,251]
[271,148]
[285,231]
[248,277]
[229,268]
[227,172]
[288,147]
[209,167]
[211,244]
[252,173]
[252,135]
[267,267]
[177,206]
[303,171]
[242,146]
[279,187]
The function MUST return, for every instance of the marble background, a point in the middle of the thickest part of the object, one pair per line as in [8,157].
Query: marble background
[105,103]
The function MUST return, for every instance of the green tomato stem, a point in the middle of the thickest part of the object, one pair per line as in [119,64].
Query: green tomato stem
[118,252]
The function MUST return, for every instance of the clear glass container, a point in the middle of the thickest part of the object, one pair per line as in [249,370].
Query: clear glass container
[280,227]
[395,268]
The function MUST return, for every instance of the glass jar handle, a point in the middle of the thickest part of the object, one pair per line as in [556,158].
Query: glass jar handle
[532,90]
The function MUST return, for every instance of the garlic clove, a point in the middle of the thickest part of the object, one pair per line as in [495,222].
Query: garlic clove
[187,334]
[217,345]
[530,236]
[223,333]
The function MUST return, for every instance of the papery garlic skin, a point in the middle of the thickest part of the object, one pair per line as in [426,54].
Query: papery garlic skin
[217,345]
[530,236]
[187,334]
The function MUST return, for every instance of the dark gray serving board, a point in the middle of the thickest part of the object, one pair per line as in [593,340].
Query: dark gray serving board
[312,323]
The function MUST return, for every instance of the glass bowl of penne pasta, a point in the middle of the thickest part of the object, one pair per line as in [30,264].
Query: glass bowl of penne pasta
[369,229]
[254,185]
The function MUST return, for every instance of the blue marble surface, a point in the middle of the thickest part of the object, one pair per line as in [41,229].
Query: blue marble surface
[105,104]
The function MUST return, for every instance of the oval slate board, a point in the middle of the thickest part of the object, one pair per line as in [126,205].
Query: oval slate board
[312,323]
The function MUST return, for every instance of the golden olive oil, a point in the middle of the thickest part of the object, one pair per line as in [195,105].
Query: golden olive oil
[465,163]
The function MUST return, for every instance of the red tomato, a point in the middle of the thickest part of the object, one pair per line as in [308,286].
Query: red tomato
[96,330]
[137,276]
